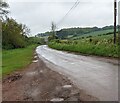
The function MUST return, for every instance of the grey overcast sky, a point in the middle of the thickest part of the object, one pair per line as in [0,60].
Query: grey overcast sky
[38,14]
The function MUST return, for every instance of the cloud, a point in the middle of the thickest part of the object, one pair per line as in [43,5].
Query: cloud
[38,14]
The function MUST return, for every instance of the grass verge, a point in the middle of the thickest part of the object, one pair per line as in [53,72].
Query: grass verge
[16,59]
[100,46]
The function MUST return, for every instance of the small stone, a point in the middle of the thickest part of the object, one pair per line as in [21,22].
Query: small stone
[35,61]
[9,81]
[41,71]
[35,57]
[57,100]
[67,86]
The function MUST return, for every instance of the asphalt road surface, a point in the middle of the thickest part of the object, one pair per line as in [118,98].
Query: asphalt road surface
[97,76]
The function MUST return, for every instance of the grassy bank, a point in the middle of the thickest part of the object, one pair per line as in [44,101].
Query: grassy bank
[16,59]
[99,45]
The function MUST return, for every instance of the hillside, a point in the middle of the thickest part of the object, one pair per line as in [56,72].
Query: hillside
[78,32]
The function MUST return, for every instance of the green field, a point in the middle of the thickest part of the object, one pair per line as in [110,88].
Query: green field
[96,33]
[97,45]
[16,59]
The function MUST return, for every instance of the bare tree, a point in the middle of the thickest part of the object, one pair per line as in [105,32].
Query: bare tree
[26,30]
[53,28]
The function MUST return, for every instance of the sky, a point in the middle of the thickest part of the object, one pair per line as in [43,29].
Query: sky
[38,14]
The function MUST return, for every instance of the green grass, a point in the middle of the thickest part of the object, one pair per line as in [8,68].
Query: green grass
[97,45]
[16,59]
[100,32]
[96,33]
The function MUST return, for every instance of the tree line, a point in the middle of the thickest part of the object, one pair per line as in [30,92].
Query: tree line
[14,35]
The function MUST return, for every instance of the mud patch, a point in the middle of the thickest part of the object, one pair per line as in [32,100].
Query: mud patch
[39,83]
[13,78]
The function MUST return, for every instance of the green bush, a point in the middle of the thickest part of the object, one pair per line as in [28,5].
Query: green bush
[36,40]
[12,35]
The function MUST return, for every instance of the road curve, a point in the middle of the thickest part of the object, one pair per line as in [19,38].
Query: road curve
[97,77]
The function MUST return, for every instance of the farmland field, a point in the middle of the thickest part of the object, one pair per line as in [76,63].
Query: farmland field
[96,33]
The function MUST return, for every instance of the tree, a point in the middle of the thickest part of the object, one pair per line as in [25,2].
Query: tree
[12,35]
[25,30]
[3,9]
[53,35]
[53,28]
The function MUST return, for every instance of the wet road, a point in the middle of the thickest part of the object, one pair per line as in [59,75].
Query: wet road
[97,77]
